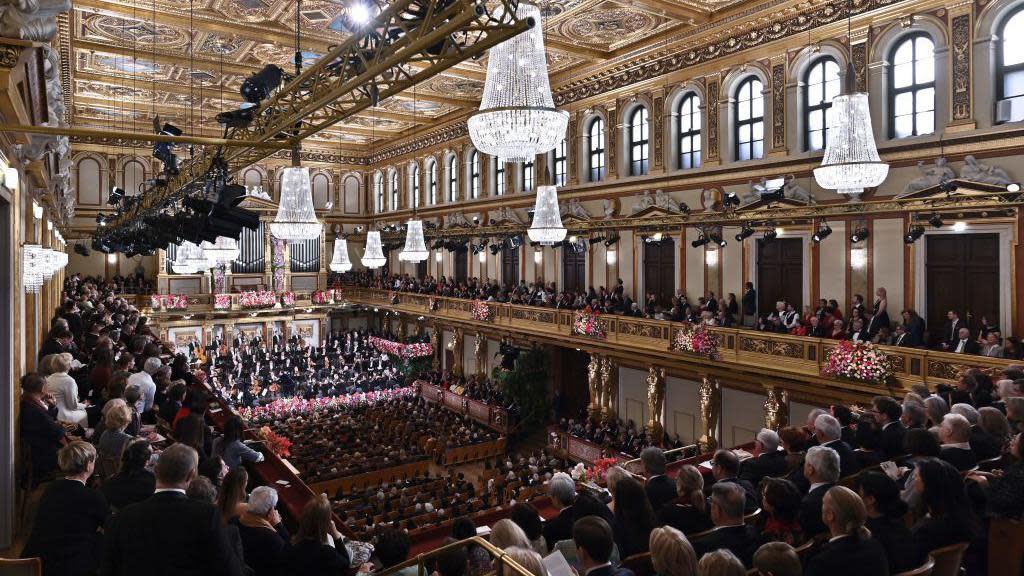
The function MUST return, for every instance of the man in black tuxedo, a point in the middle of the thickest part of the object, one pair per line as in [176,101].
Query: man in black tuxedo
[562,490]
[821,468]
[851,549]
[169,534]
[964,344]
[660,488]
[951,330]
[888,413]
[770,461]
[901,338]
[729,532]
[593,538]
[955,434]
[725,468]
[828,431]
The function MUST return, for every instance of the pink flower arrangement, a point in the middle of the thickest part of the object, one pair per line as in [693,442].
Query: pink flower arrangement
[156,301]
[588,324]
[255,299]
[861,361]
[482,311]
[402,350]
[222,301]
[322,297]
[284,408]
[176,302]
[288,298]
[696,339]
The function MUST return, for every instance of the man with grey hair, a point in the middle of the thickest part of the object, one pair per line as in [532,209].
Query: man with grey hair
[770,461]
[660,489]
[914,415]
[811,417]
[562,490]
[144,382]
[829,433]
[727,500]
[955,434]
[264,537]
[821,468]
[169,533]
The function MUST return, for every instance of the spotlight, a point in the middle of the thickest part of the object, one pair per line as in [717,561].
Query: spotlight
[658,236]
[700,241]
[1013,187]
[81,249]
[573,239]
[913,234]
[745,232]
[495,248]
[770,235]
[359,13]
[717,239]
[170,130]
[101,219]
[823,232]
[959,226]
[237,118]
[596,240]
[684,208]
[731,199]
[935,221]
[116,194]
[476,220]
[257,87]
[859,234]
[611,241]
[947,186]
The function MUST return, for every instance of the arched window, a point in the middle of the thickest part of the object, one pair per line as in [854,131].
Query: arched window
[560,162]
[394,190]
[1010,62]
[474,175]
[750,119]
[595,149]
[414,193]
[639,140]
[912,87]
[453,179]
[689,131]
[432,183]
[378,191]
[527,176]
[821,85]
[499,177]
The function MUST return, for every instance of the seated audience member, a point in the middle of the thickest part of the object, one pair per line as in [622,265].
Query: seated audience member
[721,563]
[777,559]
[479,559]
[1005,492]
[114,439]
[964,344]
[950,517]
[914,416]
[318,548]
[770,461]
[821,468]
[729,531]
[264,537]
[132,483]
[990,433]
[505,533]
[955,434]
[65,391]
[593,539]
[634,518]
[660,488]
[67,532]
[231,448]
[562,490]
[886,520]
[41,434]
[888,413]
[202,490]
[168,533]
[671,553]
[527,518]
[143,380]
[173,399]
[453,562]
[231,498]
[725,465]
[869,441]
[392,548]
[688,513]
[526,558]
[828,432]
[794,442]
[851,550]
[781,501]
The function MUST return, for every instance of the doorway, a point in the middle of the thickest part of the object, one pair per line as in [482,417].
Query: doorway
[574,270]
[660,270]
[461,264]
[780,269]
[962,274]
[510,266]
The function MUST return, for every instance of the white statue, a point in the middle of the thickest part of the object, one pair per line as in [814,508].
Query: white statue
[575,209]
[31,19]
[707,198]
[665,202]
[458,220]
[608,207]
[930,176]
[506,214]
[646,201]
[795,191]
[977,172]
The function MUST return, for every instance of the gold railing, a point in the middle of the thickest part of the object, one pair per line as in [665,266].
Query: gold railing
[420,560]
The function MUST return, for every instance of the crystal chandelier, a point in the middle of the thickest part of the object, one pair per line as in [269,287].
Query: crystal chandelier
[188,259]
[851,161]
[339,260]
[32,264]
[222,251]
[296,217]
[546,227]
[517,118]
[373,257]
[415,249]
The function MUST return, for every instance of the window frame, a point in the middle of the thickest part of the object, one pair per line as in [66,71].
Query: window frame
[913,88]
[639,146]
[415,192]
[1001,69]
[499,177]
[824,106]
[526,175]
[751,121]
[432,183]
[378,189]
[474,175]
[394,190]
[453,178]
[691,134]
[596,152]
[560,163]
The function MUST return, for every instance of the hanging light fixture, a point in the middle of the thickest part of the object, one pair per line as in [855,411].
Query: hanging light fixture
[339,260]
[851,162]
[415,248]
[221,251]
[546,227]
[31,267]
[373,257]
[517,118]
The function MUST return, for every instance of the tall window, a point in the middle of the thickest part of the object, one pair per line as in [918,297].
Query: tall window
[432,182]
[821,85]
[527,176]
[378,190]
[750,119]
[414,193]
[499,177]
[689,131]
[912,87]
[560,163]
[474,175]
[639,140]
[394,190]
[595,149]
[453,179]
[1011,62]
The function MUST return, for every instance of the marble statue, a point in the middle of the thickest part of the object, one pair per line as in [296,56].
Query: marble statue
[575,209]
[506,214]
[458,220]
[977,172]
[646,201]
[930,176]
[707,198]
[665,202]
[31,19]
[608,208]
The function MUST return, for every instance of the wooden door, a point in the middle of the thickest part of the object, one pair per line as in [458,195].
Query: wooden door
[509,266]
[660,271]
[461,264]
[574,269]
[421,269]
[780,270]
[962,274]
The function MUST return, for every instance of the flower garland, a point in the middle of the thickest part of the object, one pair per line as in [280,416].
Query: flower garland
[279,445]
[284,408]
[415,350]
[696,339]
[156,301]
[222,301]
[322,297]
[288,298]
[482,311]
[256,299]
[588,324]
[861,361]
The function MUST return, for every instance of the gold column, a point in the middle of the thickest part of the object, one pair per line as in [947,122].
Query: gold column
[479,353]
[458,352]
[594,384]
[776,408]
[656,403]
[435,341]
[710,394]
[609,387]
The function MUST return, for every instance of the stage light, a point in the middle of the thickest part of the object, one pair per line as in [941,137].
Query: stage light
[595,240]
[495,248]
[935,221]
[538,257]
[859,235]
[514,242]
[116,195]
[913,234]
[731,199]
[111,258]
[823,232]
[717,239]
[745,232]
[770,235]
[700,241]
[483,257]
[959,226]
[101,219]
[257,87]
[359,13]
[684,208]
[1013,187]
[170,130]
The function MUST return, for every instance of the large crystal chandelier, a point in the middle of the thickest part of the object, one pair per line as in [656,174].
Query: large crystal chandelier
[546,227]
[517,118]
[373,257]
[415,249]
[188,259]
[296,217]
[221,251]
[339,260]
[851,161]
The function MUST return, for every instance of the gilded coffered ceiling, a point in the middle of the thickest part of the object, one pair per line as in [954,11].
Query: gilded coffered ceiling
[186,59]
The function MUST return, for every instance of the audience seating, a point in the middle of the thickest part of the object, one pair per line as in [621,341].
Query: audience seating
[1005,553]
[639,564]
[922,570]
[948,559]
[21,567]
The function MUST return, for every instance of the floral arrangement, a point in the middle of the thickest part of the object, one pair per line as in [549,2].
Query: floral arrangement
[588,324]
[176,302]
[696,339]
[255,299]
[482,311]
[322,297]
[156,302]
[222,301]
[596,473]
[861,361]
[416,350]
[279,445]
[283,408]
[288,298]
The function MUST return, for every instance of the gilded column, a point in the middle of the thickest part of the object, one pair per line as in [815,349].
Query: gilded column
[710,394]
[612,130]
[609,387]
[776,408]
[594,384]
[656,403]
[458,352]
[435,341]
[572,149]
[712,154]
[779,105]
[479,355]
[658,133]
[401,328]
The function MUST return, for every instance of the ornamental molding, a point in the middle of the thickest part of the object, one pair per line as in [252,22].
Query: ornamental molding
[446,134]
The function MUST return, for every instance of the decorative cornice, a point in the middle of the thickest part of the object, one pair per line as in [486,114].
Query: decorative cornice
[66,63]
[306,155]
[446,134]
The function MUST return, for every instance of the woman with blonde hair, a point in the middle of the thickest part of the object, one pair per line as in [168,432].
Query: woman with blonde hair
[506,533]
[851,550]
[671,553]
[65,390]
[114,439]
[318,548]
[526,558]
[721,562]
[612,477]
[688,512]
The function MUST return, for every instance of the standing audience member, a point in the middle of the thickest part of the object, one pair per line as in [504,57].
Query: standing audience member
[201,489]
[1005,491]
[851,551]
[318,548]
[479,559]
[821,468]
[231,500]
[660,488]
[634,518]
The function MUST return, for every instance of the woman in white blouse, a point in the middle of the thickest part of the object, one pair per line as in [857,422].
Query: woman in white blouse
[65,391]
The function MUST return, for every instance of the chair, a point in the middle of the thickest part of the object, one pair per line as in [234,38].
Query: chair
[922,570]
[21,567]
[948,559]
[640,564]
[752,517]
[1004,552]
[804,550]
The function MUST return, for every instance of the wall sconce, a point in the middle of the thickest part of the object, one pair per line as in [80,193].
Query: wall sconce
[711,257]
[483,257]
[538,257]
[111,258]
[11,178]
[49,225]
[438,257]
[611,257]
[959,226]
[37,210]
[858,258]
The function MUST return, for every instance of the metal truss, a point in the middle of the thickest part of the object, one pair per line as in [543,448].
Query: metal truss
[411,41]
